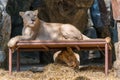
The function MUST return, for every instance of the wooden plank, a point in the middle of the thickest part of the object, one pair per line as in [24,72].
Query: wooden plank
[34,42]
[48,44]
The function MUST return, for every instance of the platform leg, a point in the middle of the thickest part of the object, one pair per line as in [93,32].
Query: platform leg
[18,60]
[106,59]
[10,61]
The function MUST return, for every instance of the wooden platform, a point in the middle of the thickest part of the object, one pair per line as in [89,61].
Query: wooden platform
[33,45]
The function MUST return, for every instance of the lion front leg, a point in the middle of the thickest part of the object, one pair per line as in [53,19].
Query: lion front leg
[12,42]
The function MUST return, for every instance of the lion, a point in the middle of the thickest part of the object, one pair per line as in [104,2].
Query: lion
[67,57]
[36,29]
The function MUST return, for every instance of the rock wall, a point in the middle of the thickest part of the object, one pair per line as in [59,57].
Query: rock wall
[5,30]
[66,11]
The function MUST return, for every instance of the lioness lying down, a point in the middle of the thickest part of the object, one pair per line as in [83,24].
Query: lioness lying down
[36,29]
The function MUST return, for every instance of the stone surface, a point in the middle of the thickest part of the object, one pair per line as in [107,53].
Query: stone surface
[66,11]
[5,31]
[2,56]
[116,64]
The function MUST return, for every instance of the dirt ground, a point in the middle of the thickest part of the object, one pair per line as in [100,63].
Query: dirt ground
[60,72]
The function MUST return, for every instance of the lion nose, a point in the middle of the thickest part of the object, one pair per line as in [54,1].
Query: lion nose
[33,19]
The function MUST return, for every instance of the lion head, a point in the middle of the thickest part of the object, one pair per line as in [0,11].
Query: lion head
[29,18]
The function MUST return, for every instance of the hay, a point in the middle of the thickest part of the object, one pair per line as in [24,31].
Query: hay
[60,72]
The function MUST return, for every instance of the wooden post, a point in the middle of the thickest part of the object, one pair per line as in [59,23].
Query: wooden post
[10,61]
[106,59]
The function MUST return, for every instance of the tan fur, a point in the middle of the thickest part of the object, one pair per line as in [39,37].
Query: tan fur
[67,57]
[34,29]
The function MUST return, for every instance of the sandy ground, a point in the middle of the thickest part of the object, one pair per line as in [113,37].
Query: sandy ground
[59,72]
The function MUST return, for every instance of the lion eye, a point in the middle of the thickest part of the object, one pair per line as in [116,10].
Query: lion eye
[28,14]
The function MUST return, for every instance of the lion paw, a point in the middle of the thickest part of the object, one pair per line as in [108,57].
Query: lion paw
[12,42]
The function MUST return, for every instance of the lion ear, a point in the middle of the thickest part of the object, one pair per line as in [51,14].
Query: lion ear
[36,12]
[21,13]
[69,50]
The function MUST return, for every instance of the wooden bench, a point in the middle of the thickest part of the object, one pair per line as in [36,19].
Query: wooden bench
[36,45]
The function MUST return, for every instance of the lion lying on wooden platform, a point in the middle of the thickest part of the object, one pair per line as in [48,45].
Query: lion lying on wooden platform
[36,29]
